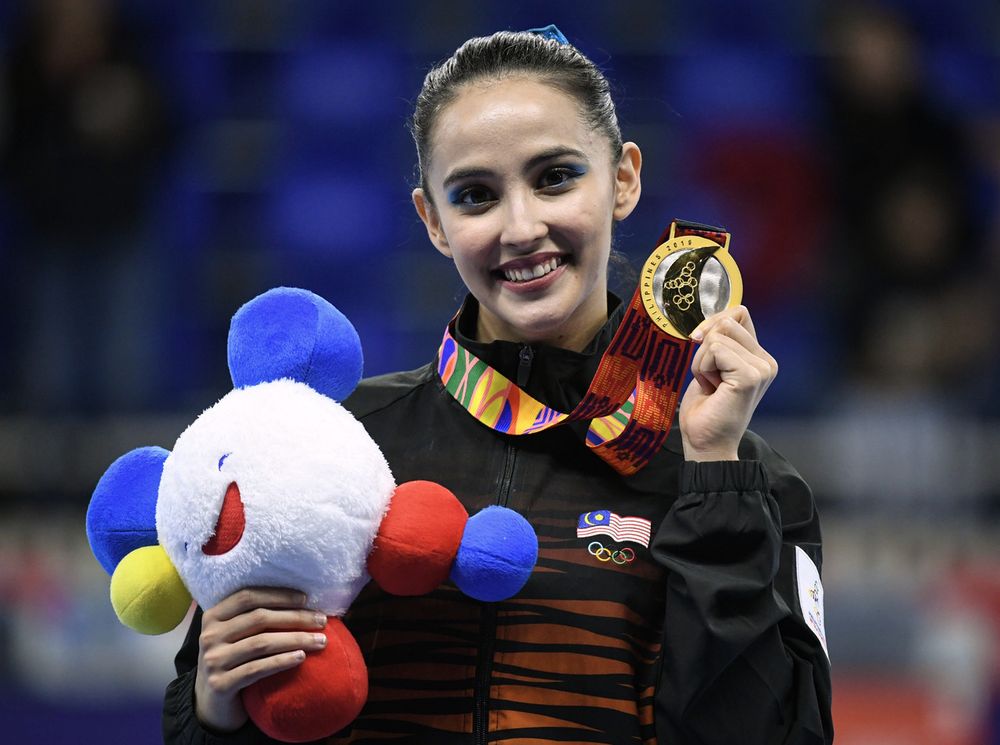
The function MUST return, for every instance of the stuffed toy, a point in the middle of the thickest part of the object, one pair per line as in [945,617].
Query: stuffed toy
[278,485]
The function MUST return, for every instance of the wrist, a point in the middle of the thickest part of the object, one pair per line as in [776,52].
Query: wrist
[221,719]
[711,457]
[709,450]
[697,455]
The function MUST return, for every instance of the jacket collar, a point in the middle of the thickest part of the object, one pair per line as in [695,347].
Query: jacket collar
[557,377]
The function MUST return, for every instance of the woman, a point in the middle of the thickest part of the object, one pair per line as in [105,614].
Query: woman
[695,632]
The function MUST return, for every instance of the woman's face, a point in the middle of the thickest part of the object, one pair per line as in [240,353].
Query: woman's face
[523,194]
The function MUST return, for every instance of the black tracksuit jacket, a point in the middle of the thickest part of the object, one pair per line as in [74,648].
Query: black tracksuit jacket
[699,639]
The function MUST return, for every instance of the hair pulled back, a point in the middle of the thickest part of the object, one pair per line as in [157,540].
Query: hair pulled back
[505,54]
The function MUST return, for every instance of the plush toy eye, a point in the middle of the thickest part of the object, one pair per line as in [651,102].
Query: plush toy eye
[223,460]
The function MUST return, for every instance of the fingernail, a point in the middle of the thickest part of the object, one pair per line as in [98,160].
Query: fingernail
[319,619]
[320,639]
[697,335]
[299,654]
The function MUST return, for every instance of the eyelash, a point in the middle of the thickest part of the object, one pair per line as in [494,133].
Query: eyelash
[568,174]
[458,196]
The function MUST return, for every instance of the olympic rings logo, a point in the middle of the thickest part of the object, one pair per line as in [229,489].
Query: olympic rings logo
[685,280]
[621,556]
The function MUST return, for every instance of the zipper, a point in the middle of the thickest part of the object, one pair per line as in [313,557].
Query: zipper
[484,671]
[488,617]
[526,357]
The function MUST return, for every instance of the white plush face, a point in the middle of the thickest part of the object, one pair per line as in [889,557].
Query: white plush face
[311,487]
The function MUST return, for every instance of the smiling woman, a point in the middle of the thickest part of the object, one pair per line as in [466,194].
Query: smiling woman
[666,604]
[522,194]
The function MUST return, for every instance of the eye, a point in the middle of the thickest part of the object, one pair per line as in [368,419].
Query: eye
[471,196]
[223,460]
[553,178]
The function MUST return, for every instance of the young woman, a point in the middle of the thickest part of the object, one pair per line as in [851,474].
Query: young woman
[705,629]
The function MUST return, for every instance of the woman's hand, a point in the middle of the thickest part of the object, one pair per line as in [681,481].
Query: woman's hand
[731,372]
[249,635]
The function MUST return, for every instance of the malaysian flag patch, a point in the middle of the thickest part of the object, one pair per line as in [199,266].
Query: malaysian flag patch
[606,522]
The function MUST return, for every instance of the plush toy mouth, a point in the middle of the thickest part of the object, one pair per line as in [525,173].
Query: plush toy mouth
[229,528]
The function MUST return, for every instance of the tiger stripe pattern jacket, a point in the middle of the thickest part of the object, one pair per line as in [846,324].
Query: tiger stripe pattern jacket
[700,633]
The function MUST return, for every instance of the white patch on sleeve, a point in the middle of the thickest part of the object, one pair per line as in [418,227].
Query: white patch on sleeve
[810,595]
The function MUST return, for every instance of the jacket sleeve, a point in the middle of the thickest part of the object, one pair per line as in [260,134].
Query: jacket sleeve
[180,724]
[741,661]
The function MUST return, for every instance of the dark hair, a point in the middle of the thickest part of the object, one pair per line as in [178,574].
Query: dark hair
[502,55]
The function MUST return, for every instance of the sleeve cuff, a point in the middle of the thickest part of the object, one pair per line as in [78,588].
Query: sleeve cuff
[182,689]
[723,476]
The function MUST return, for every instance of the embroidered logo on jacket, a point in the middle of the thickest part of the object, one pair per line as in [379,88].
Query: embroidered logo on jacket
[621,556]
[605,522]
[810,589]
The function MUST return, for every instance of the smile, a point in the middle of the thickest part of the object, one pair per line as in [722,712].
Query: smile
[529,273]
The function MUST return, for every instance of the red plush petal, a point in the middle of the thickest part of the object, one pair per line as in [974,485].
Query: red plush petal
[418,539]
[316,699]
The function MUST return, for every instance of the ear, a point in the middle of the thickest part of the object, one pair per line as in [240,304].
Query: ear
[121,516]
[292,333]
[432,221]
[628,185]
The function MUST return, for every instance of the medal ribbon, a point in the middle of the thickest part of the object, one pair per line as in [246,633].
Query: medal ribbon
[631,400]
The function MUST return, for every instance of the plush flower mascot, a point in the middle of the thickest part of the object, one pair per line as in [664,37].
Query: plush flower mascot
[278,485]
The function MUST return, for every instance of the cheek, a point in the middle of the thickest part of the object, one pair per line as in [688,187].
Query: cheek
[589,221]
[470,242]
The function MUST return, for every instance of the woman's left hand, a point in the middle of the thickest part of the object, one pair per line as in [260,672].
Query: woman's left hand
[731,372]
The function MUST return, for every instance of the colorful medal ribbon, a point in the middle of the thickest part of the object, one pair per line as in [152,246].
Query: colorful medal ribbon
[632,399]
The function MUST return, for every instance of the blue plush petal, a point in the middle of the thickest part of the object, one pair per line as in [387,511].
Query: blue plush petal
[498,551]
[292,333]
[122,512]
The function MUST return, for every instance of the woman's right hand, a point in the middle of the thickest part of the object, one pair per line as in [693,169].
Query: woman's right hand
[253,633]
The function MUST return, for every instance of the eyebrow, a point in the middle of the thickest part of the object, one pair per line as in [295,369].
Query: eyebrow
[478,172]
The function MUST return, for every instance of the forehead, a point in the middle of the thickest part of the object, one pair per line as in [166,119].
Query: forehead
[500,122]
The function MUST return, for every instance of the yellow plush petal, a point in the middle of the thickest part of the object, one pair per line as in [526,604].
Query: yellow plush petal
[147,593]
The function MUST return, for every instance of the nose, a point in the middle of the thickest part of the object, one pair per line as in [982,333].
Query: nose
[523,224]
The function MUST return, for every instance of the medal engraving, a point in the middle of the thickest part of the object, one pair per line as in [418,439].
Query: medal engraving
[686,280]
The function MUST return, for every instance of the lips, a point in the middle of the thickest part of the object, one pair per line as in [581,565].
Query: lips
[230,526]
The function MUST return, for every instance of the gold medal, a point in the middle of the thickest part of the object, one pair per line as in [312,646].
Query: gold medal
[687,279]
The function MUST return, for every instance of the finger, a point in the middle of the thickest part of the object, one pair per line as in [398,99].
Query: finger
[250,598]
[259,646]
[735,363]
[741,314]
[745,359]
[702,362]
[738,313]
[229,682]
[266,619]
[733,329]
[709,382]
[729,328]
[736,374]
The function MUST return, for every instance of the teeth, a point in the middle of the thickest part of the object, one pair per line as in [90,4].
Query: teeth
[539,270]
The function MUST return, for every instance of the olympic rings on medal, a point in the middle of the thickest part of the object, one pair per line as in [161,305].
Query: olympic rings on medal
[686,280]
[621,556]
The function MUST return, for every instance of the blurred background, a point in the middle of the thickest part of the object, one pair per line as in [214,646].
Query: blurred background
[163,162]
